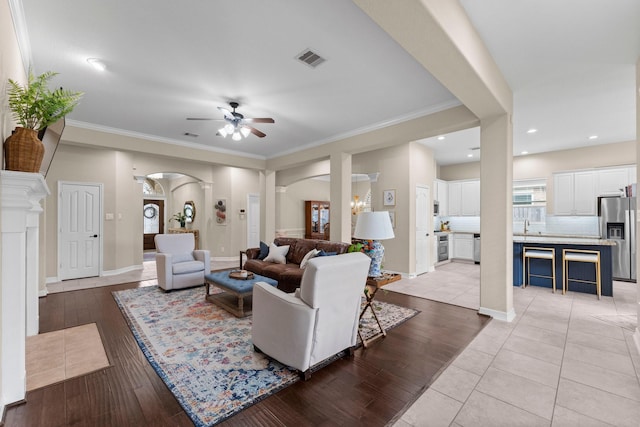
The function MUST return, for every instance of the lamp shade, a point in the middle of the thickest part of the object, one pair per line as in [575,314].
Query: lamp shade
[374,226]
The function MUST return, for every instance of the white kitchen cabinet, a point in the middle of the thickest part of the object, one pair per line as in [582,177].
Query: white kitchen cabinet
[574,193]
[443,196]
[462,246]
[464,198]
[470,193]
[613,181]
[455,198]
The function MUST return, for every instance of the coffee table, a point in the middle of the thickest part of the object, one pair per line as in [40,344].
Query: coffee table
[236,295]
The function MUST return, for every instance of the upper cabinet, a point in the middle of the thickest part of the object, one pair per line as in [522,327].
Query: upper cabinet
[441,194]
[612,181]
[574,193]
[464,198]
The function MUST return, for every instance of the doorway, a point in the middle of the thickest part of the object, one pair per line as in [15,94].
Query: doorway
[152,217]
[79,230]
[253,220]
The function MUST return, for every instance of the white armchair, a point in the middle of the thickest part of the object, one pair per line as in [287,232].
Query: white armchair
[319,320]
[178,264]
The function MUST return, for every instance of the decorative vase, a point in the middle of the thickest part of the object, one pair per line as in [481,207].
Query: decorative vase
[182,224]
[23,151]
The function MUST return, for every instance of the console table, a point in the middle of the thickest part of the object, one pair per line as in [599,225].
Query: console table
[196,234]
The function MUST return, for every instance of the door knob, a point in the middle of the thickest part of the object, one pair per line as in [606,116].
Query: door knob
[95,235]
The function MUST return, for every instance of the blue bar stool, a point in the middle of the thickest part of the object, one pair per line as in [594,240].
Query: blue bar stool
[580,255]
[537,253]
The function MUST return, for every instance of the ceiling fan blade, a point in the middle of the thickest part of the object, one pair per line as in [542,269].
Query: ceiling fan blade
[227,113]
[260,120]
[199,118]
[256,132]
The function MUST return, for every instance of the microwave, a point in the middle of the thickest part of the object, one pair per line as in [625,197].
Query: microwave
[436,208]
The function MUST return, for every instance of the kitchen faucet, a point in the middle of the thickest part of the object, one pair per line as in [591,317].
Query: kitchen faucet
[526,225]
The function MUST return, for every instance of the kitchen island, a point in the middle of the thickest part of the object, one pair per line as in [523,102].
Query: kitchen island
[581,271]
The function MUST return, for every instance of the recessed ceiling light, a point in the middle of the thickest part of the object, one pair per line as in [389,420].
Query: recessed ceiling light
[97,64]
[440,138]
[470,155]
[532,130]
[524,152]
[593,137]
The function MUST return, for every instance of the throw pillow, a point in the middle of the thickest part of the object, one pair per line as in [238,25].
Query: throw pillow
[264,250]
[277,254]
[312,253]
[323,253]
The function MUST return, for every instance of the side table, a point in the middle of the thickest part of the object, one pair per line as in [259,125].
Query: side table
[371,288]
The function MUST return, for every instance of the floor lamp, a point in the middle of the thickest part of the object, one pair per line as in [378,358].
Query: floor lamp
[374,226]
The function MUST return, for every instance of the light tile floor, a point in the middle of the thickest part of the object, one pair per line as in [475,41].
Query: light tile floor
[59,355]
[566,360]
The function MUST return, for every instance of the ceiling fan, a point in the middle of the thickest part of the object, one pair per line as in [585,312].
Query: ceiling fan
[236,124]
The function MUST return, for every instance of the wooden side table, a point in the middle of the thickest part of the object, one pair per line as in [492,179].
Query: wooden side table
[371,288]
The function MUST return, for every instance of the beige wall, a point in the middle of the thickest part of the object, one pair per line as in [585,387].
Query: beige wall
[122,196]
[290,202]
[394,174]
[544,165]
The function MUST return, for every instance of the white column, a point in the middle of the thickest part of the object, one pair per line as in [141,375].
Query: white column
[496,218]
[269,230]
[340,214]
[21,196]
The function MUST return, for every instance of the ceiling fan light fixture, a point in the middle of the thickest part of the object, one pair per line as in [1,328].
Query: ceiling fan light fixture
[245,131]
[229,128]
[223,132]
[236,136]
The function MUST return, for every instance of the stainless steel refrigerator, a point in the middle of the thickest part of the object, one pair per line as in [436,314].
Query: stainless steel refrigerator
[618,223]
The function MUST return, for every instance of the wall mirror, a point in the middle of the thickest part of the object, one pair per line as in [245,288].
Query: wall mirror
[190,211]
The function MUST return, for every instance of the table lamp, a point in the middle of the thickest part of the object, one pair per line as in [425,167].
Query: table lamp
[374,226]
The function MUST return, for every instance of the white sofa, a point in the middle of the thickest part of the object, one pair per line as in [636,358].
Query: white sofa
[178,264]
[319,320]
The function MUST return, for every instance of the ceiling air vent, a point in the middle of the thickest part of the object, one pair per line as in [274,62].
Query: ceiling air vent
[310,58]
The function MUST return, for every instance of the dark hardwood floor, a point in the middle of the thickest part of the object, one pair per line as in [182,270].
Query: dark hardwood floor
[372,388]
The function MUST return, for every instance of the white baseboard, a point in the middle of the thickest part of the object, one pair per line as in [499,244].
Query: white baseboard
[122,270]
[42,293]
[53,279]
[507,316]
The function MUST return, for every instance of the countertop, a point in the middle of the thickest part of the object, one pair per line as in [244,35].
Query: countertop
[561,239]
[557,239]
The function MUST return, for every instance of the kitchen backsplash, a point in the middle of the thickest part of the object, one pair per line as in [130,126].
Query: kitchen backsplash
[574,225]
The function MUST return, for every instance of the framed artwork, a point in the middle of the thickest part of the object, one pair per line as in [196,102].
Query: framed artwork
[220,208]
[389,197]
[392,217]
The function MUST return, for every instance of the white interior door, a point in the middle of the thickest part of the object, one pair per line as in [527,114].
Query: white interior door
[253,220]
[422,229]
[79,235]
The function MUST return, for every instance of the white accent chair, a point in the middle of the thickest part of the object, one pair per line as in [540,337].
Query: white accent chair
[319,320]
[178,264]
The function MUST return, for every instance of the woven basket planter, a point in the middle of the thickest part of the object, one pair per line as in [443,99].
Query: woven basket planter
[23,151]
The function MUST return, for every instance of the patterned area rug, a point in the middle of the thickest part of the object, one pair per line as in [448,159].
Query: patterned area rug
[205,355]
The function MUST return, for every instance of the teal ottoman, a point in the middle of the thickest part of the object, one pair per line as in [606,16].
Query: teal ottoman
[234,291]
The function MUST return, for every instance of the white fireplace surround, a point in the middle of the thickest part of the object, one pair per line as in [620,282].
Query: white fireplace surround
[20,195]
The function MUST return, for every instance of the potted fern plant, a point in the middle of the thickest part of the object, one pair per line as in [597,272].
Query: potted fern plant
[34,106]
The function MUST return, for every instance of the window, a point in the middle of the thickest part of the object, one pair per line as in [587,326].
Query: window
[530,200]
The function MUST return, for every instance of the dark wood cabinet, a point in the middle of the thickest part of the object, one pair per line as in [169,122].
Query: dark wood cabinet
[316,219]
